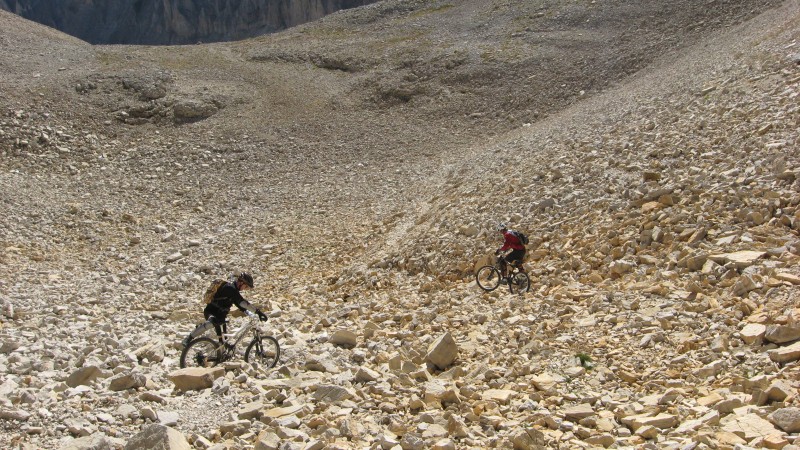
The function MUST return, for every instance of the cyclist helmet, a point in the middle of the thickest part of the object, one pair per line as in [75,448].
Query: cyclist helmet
[501,226]
[245,278]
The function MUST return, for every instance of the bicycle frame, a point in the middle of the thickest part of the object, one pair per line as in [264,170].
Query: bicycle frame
[514,268]
[228,348]
[261,350]
[490,276]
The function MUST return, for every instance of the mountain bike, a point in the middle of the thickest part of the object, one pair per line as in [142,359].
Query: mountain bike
[263,350]
[489,278]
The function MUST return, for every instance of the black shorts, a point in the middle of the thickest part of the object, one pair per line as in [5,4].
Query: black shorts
[515,255]
[217,317]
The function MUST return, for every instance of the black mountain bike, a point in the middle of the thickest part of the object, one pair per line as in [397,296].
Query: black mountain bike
[489,278]
[263,351]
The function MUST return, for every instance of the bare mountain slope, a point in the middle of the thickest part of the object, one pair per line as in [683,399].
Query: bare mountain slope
[356,166]
[28,46]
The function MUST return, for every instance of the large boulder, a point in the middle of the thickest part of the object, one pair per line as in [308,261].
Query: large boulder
[442,352]
[345,338]
[749,427]
[753,333]
[195,378]
[331,393]
[781,334]
[787,419]
[193,109]
[528,439]
[127,381]
[786,354]
[83,376]
[97,441]
[153,352]
[158,437]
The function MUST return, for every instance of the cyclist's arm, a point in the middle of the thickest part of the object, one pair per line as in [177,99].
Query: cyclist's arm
[244,305]
[506,243]
[240,302]
[251,310]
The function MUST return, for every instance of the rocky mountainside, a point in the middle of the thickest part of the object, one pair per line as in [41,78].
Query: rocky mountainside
[357,167]
[175,21]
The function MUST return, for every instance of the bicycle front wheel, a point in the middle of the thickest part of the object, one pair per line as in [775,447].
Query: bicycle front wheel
[520,283]
[263,351]
[201,352]
[488,278]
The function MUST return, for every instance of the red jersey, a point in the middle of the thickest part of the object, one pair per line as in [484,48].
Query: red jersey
[511,241]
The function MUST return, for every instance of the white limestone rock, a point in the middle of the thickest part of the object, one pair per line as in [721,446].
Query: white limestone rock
[786,354]
[748,427]
[781,334]
[157,436]
[329,393]
[442,352]
[83,376]
[753,333]
[127,381]
[195,378]
[344,338]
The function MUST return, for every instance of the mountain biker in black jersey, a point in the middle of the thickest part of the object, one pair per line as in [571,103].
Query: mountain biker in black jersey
[217,310]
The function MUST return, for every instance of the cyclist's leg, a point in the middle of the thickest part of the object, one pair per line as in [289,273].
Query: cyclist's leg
[502,268]
[220,327]
[502,265]
[515,258]
[201,329]
[521,261]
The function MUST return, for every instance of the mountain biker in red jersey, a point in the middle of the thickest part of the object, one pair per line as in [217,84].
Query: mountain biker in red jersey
[217,311]
[517,253]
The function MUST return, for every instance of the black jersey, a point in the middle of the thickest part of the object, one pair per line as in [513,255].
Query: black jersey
[226,296]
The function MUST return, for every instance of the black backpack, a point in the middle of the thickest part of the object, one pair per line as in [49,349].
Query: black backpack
[521,236]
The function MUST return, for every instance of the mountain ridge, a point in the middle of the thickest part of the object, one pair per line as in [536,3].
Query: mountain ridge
[174,22]
[357,166]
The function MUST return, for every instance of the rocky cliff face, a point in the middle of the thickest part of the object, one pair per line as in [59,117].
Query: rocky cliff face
[173,21]
[356,166]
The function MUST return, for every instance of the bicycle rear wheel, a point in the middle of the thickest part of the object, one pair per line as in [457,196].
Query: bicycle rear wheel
[488,278]
[201,352]
[263,351]
[520,283]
